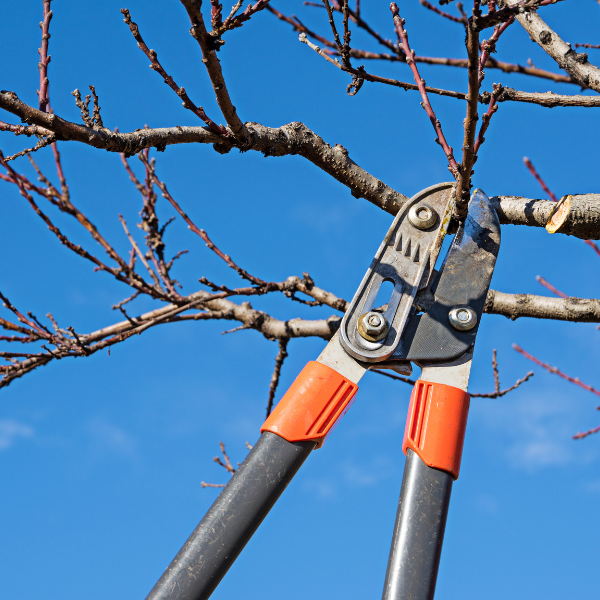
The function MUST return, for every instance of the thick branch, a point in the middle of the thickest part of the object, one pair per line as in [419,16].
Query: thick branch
[213,66]
[548,99]
[576,64]
[513,306]
[582,221]
[294,138]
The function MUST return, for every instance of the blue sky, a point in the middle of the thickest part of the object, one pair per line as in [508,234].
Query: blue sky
[101,459]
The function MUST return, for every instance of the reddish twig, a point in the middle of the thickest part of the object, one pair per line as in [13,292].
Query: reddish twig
[587,45]
[550,287]
[532,170]
[233,21]
[156,66]
[446,15]
[399,23]
[489,46]
[243,273]
[43,94]
[227,464]
[298,26]
[463,183]
[554,370]
[216,14]
[580,436]
[498,393]
[486,118]
[546,189]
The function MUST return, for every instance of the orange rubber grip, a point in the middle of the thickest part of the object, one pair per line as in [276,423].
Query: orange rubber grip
[311,407]
[436,424]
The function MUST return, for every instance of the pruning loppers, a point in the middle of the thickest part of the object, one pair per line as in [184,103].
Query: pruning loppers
[430,319]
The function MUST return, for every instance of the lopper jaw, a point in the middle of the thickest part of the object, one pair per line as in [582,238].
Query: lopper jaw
[463,281]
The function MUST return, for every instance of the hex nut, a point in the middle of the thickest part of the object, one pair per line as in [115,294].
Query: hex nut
[422,216]
[462,318]
[373,326]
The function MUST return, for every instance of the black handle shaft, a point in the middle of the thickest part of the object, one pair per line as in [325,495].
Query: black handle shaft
[232,519]
[418,532]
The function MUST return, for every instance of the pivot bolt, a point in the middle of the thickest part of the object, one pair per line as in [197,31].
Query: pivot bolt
[462,318]
[422,216]
[373,326]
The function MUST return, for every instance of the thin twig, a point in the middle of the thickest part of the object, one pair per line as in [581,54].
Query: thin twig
[498,393]
[399,23]
[446,15]
[281,356]
[532,170]
[243,273]
[213,68]
[156,66]
[463,185]
[43,93]
[550,287]
[556,371]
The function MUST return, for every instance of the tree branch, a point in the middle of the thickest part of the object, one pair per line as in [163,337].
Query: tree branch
[547,99]
[513,306]
[582,219]
[576,64]
[294,138]
[213,67]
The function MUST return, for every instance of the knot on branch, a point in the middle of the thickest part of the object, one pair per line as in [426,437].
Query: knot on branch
[357,82]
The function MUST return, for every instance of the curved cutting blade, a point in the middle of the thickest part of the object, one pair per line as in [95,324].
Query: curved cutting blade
[404,258]
[464,279]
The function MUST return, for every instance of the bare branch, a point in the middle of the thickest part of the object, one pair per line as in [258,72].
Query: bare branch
[441,140]
[542,183]
[446,15]
[281,356]
[582,219]
[547,99]
[550,287]
[556,371]
[43,93]
[156,66]
[514,306]
[463,182]
[213,67]
[575,64]
[580,436]
[294,138]
[498,393]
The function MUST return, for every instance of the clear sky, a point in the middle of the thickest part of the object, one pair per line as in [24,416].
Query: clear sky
[101,459]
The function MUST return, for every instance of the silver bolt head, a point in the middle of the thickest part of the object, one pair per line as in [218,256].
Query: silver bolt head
[373,326]
[462,318]
[422,216]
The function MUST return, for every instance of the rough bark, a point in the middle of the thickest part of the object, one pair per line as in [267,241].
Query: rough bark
[548,99]
[574,63]
[583,220]
[295,138]
[513,306]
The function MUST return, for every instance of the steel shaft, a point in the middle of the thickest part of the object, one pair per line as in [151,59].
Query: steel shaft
[418,532]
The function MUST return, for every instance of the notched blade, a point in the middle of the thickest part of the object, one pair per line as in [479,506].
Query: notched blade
[464,279]
[406,257]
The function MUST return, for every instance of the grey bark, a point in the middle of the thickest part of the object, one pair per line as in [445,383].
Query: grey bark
[296,138]
[583,220]
[513,306]
[574,63]
[548,99]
